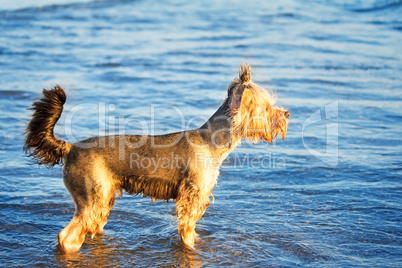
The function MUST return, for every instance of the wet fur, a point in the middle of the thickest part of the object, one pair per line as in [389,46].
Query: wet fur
[40,142]
[98,168]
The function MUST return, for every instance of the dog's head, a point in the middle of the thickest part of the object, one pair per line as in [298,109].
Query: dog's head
[252,110]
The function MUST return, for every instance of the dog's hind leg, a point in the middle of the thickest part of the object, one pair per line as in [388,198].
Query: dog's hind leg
[88,220]
[93,201]
[73,235]
[102,210]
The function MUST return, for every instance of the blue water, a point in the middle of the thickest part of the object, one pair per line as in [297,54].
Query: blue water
[330,195]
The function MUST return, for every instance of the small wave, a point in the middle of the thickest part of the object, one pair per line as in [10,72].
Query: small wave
[52,5]
[382,6]
[43,4]
[108,64]
[398,28]
[14,94]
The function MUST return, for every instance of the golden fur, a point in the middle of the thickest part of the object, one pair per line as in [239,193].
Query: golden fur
[252,111]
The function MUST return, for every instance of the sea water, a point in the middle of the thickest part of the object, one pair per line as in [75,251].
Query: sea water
[329,195]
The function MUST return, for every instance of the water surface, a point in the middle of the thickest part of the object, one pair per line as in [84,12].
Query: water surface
[329,195]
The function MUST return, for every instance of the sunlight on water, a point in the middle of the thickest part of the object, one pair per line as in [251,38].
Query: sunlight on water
[328,195]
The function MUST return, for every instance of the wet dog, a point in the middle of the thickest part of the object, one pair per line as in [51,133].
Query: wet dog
[97,169]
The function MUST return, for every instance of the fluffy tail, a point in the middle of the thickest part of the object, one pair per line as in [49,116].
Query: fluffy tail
[40,141]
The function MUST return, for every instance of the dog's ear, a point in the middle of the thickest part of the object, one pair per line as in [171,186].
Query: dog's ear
[246,101]
[242,102]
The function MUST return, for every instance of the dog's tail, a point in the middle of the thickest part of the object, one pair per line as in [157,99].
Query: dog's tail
[40,141]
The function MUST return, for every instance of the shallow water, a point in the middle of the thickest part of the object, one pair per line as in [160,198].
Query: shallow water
[329,195]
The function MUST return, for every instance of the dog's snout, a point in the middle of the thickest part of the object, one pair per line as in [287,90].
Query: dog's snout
[287,114]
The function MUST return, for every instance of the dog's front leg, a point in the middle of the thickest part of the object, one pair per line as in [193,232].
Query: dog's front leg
[191,204]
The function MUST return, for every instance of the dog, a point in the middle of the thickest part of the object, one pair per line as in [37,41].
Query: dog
[98,169]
